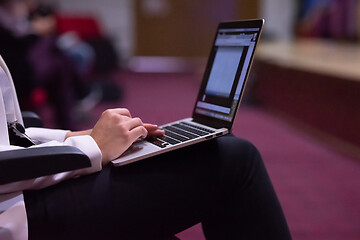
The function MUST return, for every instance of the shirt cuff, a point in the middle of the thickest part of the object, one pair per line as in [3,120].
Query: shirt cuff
[46,134]
[88,146]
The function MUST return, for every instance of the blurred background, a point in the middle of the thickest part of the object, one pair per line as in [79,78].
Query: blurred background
[72,59]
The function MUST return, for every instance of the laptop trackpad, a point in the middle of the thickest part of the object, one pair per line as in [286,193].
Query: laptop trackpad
[138,149]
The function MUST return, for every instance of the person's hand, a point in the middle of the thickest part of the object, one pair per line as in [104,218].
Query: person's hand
[153,130]
[115,131]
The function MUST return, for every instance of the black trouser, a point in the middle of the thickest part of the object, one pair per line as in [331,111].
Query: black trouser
[221,183]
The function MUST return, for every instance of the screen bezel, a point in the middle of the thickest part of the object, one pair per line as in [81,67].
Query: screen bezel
[215,122]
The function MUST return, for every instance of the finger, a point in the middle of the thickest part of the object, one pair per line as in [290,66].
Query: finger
[153,130]
[156,133]
[133,123]
[138,132]
[150,127]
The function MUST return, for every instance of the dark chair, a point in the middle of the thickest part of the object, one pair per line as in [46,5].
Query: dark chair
[31,119]
[23,164]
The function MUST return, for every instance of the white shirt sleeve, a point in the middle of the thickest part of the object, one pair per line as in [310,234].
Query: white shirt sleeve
[45,134]
[85,143]
[13,221]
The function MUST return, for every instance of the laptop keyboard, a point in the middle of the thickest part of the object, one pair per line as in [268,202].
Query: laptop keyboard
[178,133]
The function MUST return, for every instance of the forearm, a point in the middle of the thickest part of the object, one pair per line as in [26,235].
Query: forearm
[77,133]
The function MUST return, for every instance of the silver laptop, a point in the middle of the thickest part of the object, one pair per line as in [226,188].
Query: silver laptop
[219,95]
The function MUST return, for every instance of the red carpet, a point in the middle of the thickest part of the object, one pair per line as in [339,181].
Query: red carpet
[317,186]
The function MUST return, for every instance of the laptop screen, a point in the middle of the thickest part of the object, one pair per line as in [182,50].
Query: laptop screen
[226,72]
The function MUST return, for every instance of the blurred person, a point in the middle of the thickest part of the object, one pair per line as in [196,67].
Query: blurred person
[221,183]
[28,41]
[80,52]
[43,20]
[15,41]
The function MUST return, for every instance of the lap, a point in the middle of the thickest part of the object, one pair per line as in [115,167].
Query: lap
[158,196]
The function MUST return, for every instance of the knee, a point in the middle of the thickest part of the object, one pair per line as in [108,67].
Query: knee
[240,149]
[240,156]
